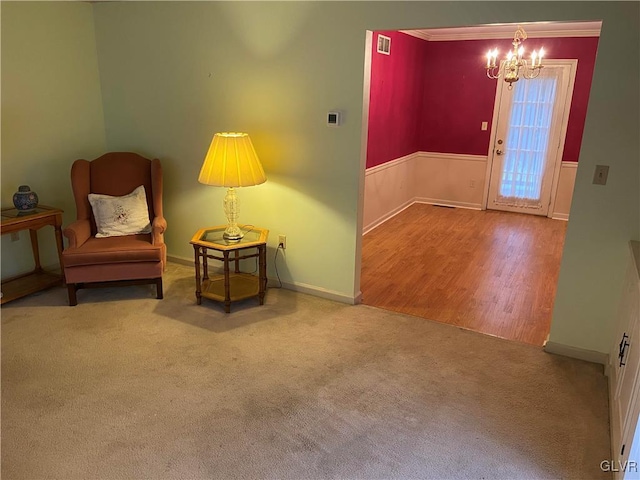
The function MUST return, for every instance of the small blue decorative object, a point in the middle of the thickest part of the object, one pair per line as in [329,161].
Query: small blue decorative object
[24,199]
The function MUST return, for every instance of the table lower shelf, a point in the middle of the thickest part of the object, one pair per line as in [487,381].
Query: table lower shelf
[18,287]
[241,286]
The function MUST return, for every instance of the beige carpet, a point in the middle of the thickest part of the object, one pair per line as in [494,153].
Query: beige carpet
[125,386]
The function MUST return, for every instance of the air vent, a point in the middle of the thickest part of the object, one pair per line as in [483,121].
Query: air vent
[384,45]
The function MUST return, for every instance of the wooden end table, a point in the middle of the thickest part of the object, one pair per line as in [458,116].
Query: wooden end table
[230,286]
[14,220]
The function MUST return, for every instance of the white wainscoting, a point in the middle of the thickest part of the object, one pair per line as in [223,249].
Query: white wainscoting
[440,179]
[566,182]
[388,189]
[449,179]
[422,177]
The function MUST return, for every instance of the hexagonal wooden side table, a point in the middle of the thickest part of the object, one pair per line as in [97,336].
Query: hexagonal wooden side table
[233,285]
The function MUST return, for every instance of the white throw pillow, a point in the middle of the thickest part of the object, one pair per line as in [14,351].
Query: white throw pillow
[119,216]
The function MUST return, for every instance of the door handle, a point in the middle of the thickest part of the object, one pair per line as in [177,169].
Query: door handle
[499,152]
[622,348]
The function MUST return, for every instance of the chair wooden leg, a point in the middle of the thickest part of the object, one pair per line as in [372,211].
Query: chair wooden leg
[71,289]
[159,294]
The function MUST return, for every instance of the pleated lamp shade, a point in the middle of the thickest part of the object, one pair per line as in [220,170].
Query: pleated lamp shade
[231,162]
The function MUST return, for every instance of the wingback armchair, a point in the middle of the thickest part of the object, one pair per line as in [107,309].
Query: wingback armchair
[115,260]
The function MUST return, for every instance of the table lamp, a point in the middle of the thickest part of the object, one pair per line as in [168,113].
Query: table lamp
[231,162]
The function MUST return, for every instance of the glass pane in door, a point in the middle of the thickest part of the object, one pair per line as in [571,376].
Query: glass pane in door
[527,140]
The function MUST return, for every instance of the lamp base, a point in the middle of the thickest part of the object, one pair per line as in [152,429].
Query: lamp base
[232,233]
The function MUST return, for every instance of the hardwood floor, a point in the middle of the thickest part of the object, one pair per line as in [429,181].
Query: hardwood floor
[489,271]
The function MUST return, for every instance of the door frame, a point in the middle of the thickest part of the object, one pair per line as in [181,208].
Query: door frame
[573,64]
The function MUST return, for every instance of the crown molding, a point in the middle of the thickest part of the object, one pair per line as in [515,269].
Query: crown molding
[423,34]
[506,31]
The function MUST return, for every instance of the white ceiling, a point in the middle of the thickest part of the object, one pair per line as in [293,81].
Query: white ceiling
[506,30]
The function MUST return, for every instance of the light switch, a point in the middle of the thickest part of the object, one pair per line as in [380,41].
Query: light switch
[484,126]
[601,174]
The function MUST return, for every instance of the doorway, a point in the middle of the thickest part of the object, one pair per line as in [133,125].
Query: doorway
[528,140]
[449,164]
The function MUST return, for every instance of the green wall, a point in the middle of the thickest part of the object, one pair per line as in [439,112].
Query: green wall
[51,111]
[603,218]
[174,73]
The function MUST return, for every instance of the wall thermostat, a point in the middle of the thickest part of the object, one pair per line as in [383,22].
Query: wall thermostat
[333,119]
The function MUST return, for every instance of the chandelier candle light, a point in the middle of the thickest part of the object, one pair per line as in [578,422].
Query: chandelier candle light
[231,162]
[514,64]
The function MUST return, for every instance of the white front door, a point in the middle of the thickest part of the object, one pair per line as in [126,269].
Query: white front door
[531,122]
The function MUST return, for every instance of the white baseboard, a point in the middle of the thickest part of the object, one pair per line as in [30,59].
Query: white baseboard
[575,352]
[358,298]
[322,292]
[214,269]
[447,203]
[430,201]
[452,180]
[295,286]
[180,260]
[560,216]
[50,267]
[387,216]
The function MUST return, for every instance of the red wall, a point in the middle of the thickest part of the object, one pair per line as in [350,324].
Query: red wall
[395,106]
[584,49]
[457,100]
[456,95]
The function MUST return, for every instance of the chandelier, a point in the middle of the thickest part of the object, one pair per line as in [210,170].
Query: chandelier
[514,65]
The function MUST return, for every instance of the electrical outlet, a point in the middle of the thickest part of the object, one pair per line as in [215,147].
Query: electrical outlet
[15,236]
[282,241]
[484,126]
